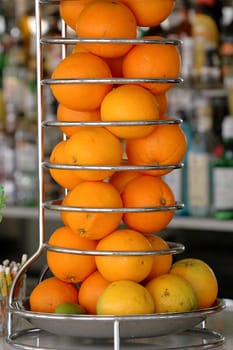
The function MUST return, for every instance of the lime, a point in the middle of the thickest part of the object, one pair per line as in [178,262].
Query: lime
[69,308]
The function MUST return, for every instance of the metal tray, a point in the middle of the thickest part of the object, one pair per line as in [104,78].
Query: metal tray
[136,326]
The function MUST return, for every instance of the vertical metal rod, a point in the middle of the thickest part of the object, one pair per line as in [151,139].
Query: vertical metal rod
[116,335]
[203,324]
[64,53]
[39,251]
[64,34]
[40,106]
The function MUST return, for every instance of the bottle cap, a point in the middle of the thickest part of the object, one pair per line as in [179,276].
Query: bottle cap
[227,127]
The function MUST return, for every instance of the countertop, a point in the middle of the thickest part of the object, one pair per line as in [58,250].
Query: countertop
[221,323]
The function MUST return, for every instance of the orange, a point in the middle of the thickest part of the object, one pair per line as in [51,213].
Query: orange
[166,145]
[172,293]
[81,96]
[150,13]
[66,266]
[161,263]
[79,48]
[64,177]
[107,19]
[114,63]
[147,191]
[153,61]
[89,194]
[65,114]
[202,278]
[120,178]
[162,101]
[90,290]
[116,268]
[93,146]
[125,298]
[50,293]
[129,103]
[70,10]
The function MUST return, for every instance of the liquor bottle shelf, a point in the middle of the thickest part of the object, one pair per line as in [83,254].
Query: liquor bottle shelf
[179,222]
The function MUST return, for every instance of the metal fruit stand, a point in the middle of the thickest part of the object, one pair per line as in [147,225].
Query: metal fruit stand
[55,331]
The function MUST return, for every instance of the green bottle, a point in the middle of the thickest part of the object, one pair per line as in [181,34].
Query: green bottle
[223,174]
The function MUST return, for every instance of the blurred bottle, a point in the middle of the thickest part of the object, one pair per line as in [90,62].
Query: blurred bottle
[226,48]
[210,71]
[199,162]
[2,64]
[223,173]
[174,180]
[8,154]
[15,72]
[187,127]
[26,151]
[205,31]
[227,55]
[212,8]
[187,56]
[26,178]
[2,101]
[52,52]
[181,106]
[181,28]
[179,19]
[177,179]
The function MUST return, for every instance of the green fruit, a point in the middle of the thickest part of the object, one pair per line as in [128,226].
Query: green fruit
[69,308]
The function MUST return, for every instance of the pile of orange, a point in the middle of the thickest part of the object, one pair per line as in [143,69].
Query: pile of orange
[186,285]
[116,20]
[147,14]
[115,205]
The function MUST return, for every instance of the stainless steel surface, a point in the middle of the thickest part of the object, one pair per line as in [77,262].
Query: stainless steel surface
[50,123]
[196,338]
[174,248]
[56,205]
[72,41]
[95,326]
[111,81]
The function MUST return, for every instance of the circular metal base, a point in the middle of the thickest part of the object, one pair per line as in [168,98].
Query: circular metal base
[196,338]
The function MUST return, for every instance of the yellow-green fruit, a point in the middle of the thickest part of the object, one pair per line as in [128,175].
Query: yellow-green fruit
[172,293]
[69,308]
[125,298]
[201,277]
